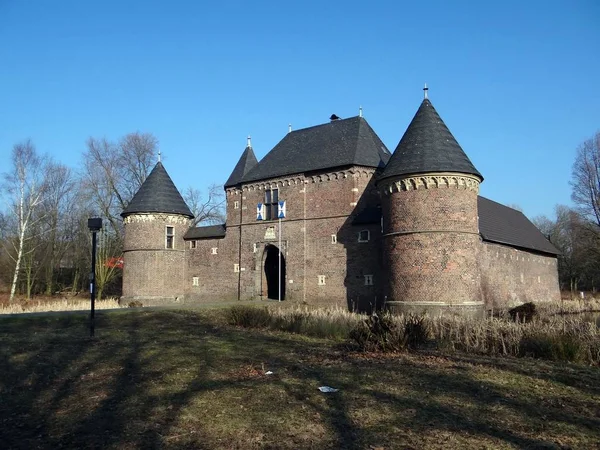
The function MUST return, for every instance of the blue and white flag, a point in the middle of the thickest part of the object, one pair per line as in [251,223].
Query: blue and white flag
[260,213]
[281,209]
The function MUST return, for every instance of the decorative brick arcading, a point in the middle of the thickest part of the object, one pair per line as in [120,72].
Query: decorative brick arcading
[429,181]
[357,172]
[166,218]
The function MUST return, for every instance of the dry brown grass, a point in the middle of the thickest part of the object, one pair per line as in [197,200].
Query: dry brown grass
[572,337]
[76,304]
[177,379]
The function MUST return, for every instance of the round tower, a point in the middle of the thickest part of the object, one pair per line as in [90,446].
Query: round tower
[155,222]
[431,244]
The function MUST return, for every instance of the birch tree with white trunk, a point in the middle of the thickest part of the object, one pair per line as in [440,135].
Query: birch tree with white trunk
[25,187]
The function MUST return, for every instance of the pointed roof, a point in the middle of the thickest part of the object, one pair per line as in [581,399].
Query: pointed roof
[428,146]
[157,194]
[504,225]
[344,142]
[244,165]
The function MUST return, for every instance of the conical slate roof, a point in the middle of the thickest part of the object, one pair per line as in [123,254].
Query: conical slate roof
[347,142]
[158,194]
[428,146]
[245,164]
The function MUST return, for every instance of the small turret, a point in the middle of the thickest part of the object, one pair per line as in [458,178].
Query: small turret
[155,222]
[431,235]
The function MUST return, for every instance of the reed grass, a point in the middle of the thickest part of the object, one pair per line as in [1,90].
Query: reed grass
[58,305]
[548,336]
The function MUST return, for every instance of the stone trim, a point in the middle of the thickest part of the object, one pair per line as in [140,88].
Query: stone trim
[396,233]
[428,303]
[162,217]
[153,250]
[432,181]
[302,179]
[263,186]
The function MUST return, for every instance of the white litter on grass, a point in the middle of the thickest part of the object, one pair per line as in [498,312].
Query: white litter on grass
[327,389]
[269,373]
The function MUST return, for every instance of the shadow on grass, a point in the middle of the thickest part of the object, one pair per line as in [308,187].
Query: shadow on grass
[175,379]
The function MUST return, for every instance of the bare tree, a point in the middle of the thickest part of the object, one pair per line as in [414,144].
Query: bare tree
[109,260]
[585,179]
[26,186]
[61,200]
[113,173]
[209,209]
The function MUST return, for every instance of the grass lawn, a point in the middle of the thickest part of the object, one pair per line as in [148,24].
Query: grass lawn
[177,379]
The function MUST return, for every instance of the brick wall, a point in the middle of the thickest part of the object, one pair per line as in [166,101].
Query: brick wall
[152,273]
[318,206]
[431,245]
[510,277]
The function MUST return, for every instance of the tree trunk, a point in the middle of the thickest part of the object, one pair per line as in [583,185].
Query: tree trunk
[13,287]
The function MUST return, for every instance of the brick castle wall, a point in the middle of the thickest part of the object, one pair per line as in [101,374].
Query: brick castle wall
[431,241]
[152,273]
[510,276]
[318,207]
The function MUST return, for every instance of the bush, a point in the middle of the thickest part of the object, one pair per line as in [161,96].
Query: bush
[558,347]
[523,313]
[248,316]
[417,330]
[387,333]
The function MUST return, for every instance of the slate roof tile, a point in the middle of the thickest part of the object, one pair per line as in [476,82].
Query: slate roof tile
[340,143]
[157,194]
[428,146]
[504,225]
[206,232]
[246,162]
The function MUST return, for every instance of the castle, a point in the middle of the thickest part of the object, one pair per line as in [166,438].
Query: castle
[330,217]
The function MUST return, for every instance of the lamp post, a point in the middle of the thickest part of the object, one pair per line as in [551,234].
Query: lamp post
[95,225]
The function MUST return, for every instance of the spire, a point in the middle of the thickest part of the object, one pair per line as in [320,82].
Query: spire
[158,155]
[289,127]
[249,144]
[360,111]
[246,162]
[428,146]
[425,89]
[157,194]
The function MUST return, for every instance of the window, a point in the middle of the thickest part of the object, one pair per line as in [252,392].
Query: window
[334,238]
[192,244]
[321,280]
[271,200]
[236,205]
[195,281]
[368,280]
[363,236]
[170,237]
[236,268]
[213,251]
[254,248]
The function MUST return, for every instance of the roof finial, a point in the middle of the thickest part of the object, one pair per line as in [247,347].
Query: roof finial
[289,127]
[158,155]
[360,111]
[425,89]
[249,145]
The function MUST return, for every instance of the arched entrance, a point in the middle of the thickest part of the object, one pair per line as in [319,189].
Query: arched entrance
[271,267]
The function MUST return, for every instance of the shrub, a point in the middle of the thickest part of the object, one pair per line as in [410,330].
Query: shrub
[558,347]
[248,316]
[391,333]
[523,313]
[417,330]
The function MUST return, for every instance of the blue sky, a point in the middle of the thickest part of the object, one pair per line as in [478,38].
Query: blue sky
[517,82]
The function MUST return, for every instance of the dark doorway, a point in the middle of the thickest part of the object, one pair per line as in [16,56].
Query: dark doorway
[272,272]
